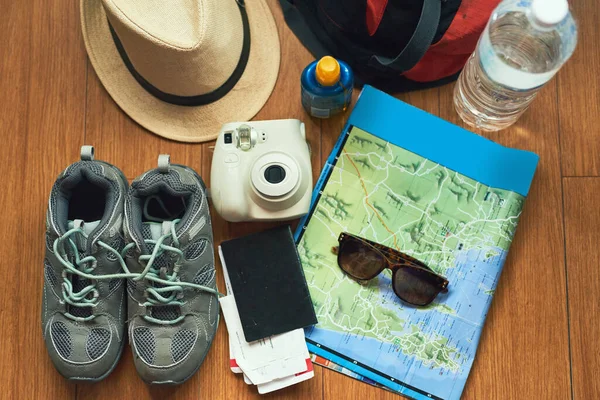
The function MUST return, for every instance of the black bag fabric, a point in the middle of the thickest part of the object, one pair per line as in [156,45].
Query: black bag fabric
[383,40]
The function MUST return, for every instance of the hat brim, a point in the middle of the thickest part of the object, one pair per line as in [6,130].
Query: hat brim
[182,123]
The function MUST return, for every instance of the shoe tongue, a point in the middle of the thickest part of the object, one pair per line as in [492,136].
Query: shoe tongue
[154,230]
[80,242]
[86,227]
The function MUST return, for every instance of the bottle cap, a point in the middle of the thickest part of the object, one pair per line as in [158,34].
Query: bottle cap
[328,71]
[549,12]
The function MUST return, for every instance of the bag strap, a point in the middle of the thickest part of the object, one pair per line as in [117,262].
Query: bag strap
[318,42]
[307,33]
[418,44]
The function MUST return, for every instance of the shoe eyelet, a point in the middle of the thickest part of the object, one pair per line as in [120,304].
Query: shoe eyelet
[163,273]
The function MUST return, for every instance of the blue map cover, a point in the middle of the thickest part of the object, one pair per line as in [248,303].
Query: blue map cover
[411,181]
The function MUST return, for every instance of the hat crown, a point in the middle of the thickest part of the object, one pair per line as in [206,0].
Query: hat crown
[181,47]
[178,23]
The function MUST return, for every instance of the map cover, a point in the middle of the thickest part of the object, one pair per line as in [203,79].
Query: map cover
[457,217]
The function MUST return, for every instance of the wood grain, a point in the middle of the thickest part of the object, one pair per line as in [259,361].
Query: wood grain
[52,103]
[41,119]
[526,329]
[578,94]
[582,218]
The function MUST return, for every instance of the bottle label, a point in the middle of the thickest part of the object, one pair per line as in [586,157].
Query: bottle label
[320,112]
[500,72]
[326,106]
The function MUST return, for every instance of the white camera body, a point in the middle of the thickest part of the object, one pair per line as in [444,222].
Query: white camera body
[261,171]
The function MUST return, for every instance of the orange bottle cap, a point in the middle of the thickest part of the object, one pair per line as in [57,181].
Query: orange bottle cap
[328,71]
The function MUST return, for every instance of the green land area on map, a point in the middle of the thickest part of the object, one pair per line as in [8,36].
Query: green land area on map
[392,196]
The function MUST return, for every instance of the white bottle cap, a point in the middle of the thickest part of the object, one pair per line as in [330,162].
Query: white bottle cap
[549,12]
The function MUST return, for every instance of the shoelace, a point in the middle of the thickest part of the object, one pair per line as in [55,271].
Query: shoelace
[171,283]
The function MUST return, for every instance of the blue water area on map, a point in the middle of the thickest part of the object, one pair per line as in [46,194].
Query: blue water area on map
[472,282]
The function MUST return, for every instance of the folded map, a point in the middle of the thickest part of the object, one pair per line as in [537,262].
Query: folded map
[411,181]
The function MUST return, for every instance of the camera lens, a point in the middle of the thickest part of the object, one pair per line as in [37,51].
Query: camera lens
[274,174]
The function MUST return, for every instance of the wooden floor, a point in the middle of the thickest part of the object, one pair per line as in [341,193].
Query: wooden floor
[542,335]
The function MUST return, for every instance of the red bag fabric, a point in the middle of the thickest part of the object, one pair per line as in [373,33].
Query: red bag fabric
[448,56]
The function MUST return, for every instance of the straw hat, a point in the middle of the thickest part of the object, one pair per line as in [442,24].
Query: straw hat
[183,68]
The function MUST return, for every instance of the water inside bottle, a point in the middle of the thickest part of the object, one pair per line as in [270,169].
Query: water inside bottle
[527,52]
[523,46]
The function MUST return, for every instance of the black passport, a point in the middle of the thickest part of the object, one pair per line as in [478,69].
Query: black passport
[268,283]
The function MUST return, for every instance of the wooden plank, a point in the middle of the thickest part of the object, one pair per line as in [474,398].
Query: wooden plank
[578,96]
[582,219]
[14,70]
[41,123]
[524,352]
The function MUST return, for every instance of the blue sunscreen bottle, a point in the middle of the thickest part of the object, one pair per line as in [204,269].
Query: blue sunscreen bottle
[326,87]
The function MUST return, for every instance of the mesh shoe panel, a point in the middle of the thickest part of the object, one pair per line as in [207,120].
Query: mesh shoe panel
[205,276]
[195,249]
[61,338]
[113,284]
[97,342]
[165,313]
[146,232]
[78,285]
[145,344]
[49,272]
[49,243]
[182,343]
[172,178]
[116,243]
[131,286]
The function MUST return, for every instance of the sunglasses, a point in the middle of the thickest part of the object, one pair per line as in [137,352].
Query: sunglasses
[412,281]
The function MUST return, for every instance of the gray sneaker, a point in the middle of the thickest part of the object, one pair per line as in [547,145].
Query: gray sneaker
[172,303]
[83,304]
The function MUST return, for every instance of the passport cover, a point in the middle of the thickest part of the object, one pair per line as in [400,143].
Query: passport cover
[268,283]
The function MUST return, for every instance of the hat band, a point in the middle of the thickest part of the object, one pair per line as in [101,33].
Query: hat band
[201,99]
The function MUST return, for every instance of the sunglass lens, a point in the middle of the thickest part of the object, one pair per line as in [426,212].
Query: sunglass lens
[359,260]
[415,286]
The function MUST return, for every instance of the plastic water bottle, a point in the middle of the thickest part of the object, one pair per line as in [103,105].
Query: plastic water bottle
[523,46]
